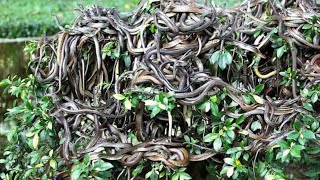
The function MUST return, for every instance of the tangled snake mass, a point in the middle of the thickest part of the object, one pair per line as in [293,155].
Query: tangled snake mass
[136,86]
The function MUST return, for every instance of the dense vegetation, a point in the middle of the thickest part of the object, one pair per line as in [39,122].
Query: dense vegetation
[170,88]
[33,18]
[25,18]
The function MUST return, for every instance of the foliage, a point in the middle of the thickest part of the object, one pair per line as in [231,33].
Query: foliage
[33,18]
[310,30]
[91,169]
[241,145]
[32,142]
[26,18]
[223,57]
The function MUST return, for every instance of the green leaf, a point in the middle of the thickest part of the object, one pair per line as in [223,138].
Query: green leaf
[283,144]
[155,111]
[246,156]
[38,165]
[5,82]
[217,144]
[284,74]
[76,172]
[45,158]
[300,147]
[308,134]
[86,158]
[207,106]
[225,169]
[314,17]
[314,97]
[127,61]
[115,54]
[315,125]
[233,150]
[119,97]
[307,26]
[215,57]
[102,166]
[210,137]
[7,153]
[246,99]
[162,106]
[184,176]
[201,128]
[49,125]
[295,152]
[170,94]
[154,175]
[256,125]
[305,92]
[202,105]
[228,122]
[258,99]
[53,164]
[186,138]
[259,88]
[175,176]
[240,119]
[127,104]
[166,100]
[285,155]
[153,29]
[222,64]
[137,170]
[214,99]
[214,108]
[308,106]
[257,32]
[34,158]
[228,161]
[231,134]
[16,110]
[150,103]
[297,125]
[293,135]
[281,51]
[35,141]
[227,57]
[230,172]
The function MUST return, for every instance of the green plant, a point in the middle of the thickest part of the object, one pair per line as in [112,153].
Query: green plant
[161,102]
[154,117]
[180,174]
[253,95]
[222,57]
[234,168]
[91,169]
[33,138]
[288,75]
[158,171]
[310,29]
[279,44]
[110,49]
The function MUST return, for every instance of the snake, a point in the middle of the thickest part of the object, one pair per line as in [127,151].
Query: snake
[167,48]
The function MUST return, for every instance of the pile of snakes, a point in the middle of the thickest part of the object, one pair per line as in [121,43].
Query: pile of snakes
[165,48]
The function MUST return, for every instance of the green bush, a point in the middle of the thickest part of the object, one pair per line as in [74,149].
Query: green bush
[234,128]
[26,18]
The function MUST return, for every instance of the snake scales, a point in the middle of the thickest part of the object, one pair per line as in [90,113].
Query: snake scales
[169,45]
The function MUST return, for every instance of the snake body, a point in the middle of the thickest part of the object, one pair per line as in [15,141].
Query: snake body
[170,47]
